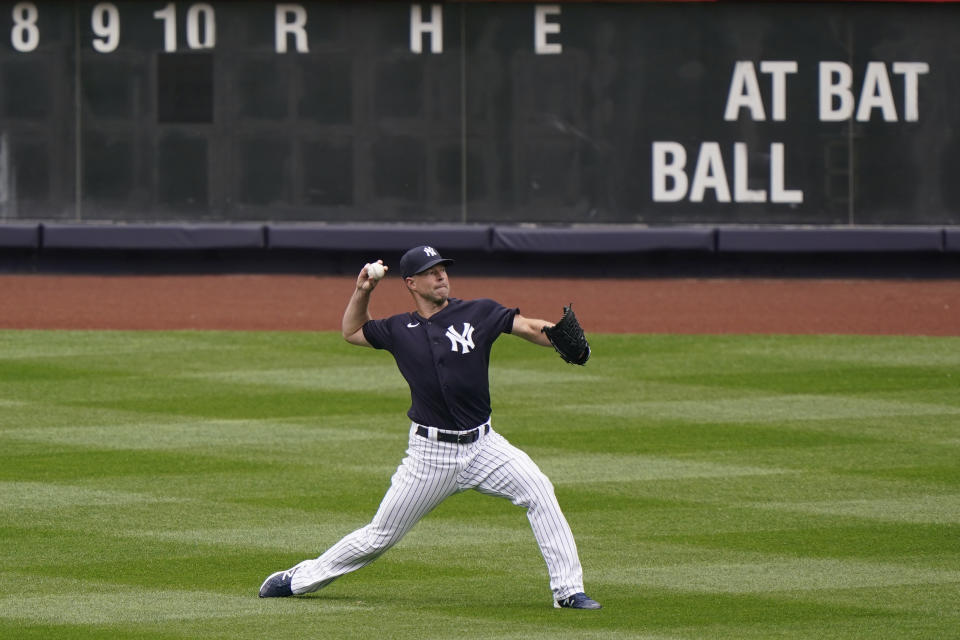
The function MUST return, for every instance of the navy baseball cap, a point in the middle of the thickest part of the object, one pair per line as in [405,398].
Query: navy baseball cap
[420,259]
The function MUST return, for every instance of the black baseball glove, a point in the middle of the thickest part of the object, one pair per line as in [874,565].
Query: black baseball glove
[567,338]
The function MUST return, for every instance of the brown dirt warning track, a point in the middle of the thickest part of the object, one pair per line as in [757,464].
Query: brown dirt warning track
[312,303]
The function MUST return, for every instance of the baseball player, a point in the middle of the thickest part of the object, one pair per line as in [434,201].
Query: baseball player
[442,348]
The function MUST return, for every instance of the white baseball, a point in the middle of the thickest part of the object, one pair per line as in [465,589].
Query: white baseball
[375,271]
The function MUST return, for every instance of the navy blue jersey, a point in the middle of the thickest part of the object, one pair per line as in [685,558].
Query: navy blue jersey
[445,359]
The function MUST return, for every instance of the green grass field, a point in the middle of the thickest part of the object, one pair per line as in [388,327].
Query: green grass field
[719,487]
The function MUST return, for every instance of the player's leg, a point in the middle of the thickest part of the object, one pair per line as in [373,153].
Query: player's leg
[501,469]
[423,480]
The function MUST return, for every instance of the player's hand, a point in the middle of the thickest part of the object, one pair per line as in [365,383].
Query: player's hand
[368,279]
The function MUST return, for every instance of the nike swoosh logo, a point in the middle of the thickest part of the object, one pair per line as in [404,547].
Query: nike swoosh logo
[411,325]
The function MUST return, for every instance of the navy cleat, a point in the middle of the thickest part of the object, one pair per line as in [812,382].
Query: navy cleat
[277,585]
[577,601]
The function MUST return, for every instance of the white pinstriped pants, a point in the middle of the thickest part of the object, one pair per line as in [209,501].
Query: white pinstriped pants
[433,471]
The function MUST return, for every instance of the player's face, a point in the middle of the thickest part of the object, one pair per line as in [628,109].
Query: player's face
[432,284]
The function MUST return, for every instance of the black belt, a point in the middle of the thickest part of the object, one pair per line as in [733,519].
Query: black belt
[464,437]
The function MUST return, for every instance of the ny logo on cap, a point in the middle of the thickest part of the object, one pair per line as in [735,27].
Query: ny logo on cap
[465,339]
[430,251]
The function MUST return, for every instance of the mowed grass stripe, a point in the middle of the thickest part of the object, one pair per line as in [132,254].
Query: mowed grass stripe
[340,378]
[432,535]
[45,495]
[939,509]
[593,467]
[188,434]
[777,408]
[786,575]
[723,487]
[94,605]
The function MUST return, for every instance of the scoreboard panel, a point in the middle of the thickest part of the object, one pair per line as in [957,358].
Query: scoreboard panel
[660,113]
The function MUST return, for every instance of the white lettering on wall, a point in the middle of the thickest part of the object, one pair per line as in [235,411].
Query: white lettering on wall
[778,71]
[741,180]
[432,29]
[778,193]
[837,100]
[669,160]
[709,174]
[105,23]
[876,94]
[290,20]
[744,93]
[670,180]
[745,89]
[25,35]
[169,16]
[542,28]
[910,71]
[201,27]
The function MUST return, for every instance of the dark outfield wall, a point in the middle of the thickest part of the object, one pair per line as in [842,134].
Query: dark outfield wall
[484,113]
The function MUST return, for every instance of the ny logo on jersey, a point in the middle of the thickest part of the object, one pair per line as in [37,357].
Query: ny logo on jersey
[465,339]
[430,251]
